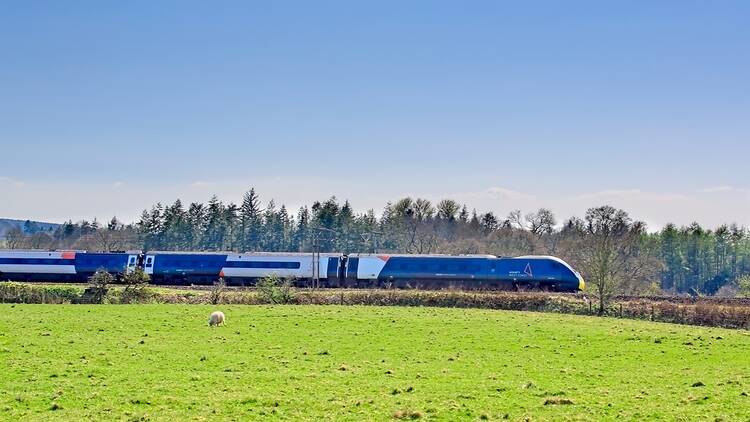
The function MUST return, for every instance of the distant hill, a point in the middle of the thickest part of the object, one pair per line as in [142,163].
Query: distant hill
[27,226]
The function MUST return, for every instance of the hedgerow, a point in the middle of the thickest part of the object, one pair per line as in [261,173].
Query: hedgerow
[691,311]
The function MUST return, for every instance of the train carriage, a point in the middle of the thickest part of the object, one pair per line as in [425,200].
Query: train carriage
[464,271]
[239,268]
[62,266]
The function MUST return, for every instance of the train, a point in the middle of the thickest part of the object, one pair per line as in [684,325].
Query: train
[334,270]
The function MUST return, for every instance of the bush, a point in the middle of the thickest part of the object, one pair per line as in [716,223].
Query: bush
[98,286]
[275,290]
[743,284]
[136,283]
[217,291]
[11,292]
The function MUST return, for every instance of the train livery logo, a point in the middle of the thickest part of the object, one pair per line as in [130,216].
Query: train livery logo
[526,272]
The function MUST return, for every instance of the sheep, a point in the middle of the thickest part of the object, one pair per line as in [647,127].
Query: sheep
[216,318]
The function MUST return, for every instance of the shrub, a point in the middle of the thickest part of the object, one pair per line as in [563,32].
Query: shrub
[136,283]
[11,292]
[98,286]
[217,291]
[743,284]
[275,290]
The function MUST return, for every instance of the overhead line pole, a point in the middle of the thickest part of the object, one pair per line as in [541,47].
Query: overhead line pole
[316,254]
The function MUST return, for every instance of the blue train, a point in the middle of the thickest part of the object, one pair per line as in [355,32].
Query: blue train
[330,269]
[62,266]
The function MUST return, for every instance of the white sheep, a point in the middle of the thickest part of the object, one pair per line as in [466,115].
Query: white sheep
[216,318]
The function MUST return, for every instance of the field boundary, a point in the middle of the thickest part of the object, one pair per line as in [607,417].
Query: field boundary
[690,311]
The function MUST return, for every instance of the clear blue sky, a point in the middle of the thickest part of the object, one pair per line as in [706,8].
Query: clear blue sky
[107,107]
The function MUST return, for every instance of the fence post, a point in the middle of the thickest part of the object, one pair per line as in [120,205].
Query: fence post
[621,310]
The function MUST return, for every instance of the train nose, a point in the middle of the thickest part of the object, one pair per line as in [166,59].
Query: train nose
[581,283]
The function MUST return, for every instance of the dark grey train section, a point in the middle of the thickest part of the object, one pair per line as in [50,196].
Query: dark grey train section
[484,272]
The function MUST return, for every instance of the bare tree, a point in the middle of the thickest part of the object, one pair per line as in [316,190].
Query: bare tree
[608,248]
[515,220]
[541,222]
[15,238]
[40,240]
[412,222]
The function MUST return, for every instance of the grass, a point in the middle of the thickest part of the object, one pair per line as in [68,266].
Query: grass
[162,362]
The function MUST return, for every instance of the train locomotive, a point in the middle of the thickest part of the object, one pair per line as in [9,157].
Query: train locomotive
[485,272]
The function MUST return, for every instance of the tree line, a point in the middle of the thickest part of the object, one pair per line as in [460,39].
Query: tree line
[614,252]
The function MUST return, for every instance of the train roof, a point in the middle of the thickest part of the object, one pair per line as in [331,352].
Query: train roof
[67,250]
[553,258]
[239,253]
[390,255]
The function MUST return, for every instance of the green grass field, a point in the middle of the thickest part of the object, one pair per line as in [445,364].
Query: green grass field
[162,362]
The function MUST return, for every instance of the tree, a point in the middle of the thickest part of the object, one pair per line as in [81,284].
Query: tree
[196,218]
[40,240]
[326,216]
[409,225]
[447,209]
[231,227]
[610,247]
[744,286]
[272,228]
[175,230]
[136,283]
[514,220]
[541,222]
[250,222]
[15,238]
[99,285]
[105,240]
[151,226]
[284,224]
[215,225]
[301,237]
[489,222]
[463,216]
[275,290]
[474,223]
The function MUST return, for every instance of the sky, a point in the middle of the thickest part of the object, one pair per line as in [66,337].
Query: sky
[108,107]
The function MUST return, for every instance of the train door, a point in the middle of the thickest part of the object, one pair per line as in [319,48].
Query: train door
[341,270]
[332,272]
[148,264]
[132,263]
[350,272]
